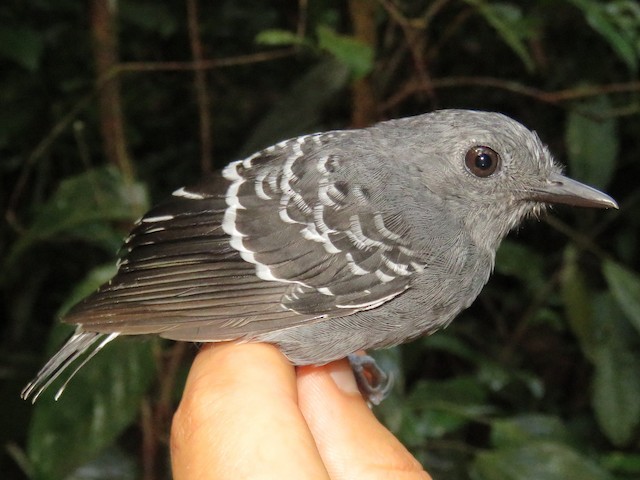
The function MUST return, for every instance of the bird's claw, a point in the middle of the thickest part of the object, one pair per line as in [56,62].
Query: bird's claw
[373,382]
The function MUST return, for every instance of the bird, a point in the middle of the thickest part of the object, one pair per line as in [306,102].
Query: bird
[329,243]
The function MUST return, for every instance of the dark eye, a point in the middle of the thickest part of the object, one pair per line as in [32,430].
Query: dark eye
[482,161]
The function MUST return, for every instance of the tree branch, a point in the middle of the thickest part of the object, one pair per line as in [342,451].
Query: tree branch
[200,83]
[105,50]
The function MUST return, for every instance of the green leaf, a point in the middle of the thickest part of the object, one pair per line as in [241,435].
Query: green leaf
[280,37]
[447,342]
[625,287]
[493,375]
[616,391]
[80,207]
[577,302]
[626,463]
[592,142]
[544,460]
[510,258]
[507,19]
[97,405]
[96,277]
[112,464]
[447,405]
[497,376]
[616,384]
[151,16]
[618,22]
[357,56]
[21,45]
[523,429]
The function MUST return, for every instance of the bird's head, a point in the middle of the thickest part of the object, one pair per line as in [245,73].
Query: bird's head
[491,171]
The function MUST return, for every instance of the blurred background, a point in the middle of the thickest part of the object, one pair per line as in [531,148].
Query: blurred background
[107,106]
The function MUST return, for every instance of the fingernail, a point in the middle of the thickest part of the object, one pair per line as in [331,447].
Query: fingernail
[343,377]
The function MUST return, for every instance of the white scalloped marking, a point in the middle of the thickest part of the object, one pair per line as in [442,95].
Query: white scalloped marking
[184,193]
[321,164]
[259,185]
[399,268]
[158,218]
[323,195]
[155,230]
[379,223]
[374,303]
[383,277]
[354,267]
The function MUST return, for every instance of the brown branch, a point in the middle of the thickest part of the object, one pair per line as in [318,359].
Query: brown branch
[36,154]
[105,50]
[149,446]
[171,367]
[303,12]
[115,70]
[519,333]
[414,32]
[204,64]
[432,10]
[364,109]
[412,87]
[448,33]
[200,85]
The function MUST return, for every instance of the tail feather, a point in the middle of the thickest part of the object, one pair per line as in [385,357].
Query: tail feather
[79,344]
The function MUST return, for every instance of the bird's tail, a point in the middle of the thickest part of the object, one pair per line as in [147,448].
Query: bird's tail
[80,344]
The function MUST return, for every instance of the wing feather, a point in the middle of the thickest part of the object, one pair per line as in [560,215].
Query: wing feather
[279,239]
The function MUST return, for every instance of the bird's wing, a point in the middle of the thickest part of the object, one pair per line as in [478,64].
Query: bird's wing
[177,268]
[277,240]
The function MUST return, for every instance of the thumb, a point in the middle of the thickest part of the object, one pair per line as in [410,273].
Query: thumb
[350,439]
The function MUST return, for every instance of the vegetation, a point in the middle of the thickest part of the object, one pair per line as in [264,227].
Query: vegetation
[105,112]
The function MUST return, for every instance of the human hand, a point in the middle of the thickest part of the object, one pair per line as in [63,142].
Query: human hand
[247,413]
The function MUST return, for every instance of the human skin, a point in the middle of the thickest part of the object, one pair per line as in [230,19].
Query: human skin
[247,413]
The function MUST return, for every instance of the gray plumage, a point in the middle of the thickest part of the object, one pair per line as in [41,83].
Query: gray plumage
[328,243]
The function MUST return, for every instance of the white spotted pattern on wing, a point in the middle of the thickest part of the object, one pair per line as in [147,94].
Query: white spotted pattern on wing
[155,230]
[311,233]
[384,231]
[321,164]
[159,218]
[284,216]
[416,266]
[384,278]
[323,195]
[374,303]
[289,177]
[318,217]
[326,291]
[359,239]
[354,267]
[280,181]
[232,174]
[260,185]
[121,261]
[399,268]
[182,192]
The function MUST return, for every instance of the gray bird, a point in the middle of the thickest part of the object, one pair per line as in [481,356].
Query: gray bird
[328,243]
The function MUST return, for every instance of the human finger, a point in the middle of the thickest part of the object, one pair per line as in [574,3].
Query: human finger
[350,439]
[239,418]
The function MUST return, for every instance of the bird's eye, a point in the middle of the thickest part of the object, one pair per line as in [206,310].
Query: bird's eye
[482,161]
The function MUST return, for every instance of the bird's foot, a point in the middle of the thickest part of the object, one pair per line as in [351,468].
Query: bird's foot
[373,382]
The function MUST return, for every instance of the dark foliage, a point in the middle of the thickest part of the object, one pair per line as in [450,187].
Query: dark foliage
[539,379]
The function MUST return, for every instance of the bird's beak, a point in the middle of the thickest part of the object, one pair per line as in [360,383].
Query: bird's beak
[561,189]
